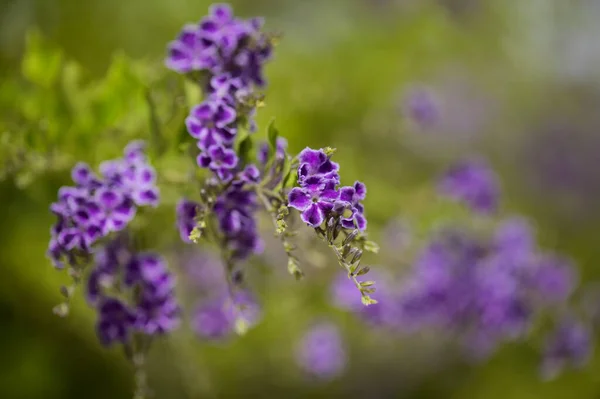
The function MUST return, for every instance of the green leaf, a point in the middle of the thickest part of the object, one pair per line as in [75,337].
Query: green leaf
[287,172]
[245,149]
[272,134]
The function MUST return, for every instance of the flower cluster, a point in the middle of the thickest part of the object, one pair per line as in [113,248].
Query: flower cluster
[235,210]
[474,183]
[218,314]
[570,344]
[231,53]
[488,291]
[99,205]
[132,292]
[321,352]
[219,317]
[222,44]
[319,195]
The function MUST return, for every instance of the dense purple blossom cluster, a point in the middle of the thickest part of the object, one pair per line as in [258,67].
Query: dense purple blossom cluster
[234,210]
[99,205]
[133,292]
[231,54]
[485,291]
[474,183]
[319,194]
[321,352]
[222,44]
[488,291]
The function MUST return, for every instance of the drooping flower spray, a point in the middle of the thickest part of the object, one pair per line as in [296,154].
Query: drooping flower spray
[131,291]
[225,56]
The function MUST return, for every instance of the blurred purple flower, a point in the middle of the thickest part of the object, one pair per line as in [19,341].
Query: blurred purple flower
[220,44]
[118,273]
[217,317]
[421,107]
[474,183]
[321,353]
[100,205]
[186,218]
[569,345]
[486,291]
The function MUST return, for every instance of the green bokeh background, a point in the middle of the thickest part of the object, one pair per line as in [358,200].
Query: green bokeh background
[519,68]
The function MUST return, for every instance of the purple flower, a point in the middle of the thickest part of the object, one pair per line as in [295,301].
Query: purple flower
[186,218]
[217,318]
[205,273]
[487,291]
[514,239]
[98,206]
[321,353]
[474,183]
[316,163]
[318,196]
[222,44]
[352,196]
[190,52]
[142,277]
[211,321]
[115,321]
[118,210]
[553,278]
[264,151]
[569,345]
[220,160]
[314,200]
[211,123]
[235,210]
[422,108]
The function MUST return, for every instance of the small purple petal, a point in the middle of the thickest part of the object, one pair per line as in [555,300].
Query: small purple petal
[299,199]
[313,216]
[203,160]
[109,199]
[361,190]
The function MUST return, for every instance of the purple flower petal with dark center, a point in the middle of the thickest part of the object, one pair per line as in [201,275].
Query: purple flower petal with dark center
[361,190]
[313,215]
[299,199]
[109,199]
[320,352]
[224,115]
[312,158]
[148,197]
[221,12]
[347,194]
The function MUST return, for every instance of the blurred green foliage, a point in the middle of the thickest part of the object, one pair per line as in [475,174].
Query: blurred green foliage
[94,80]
